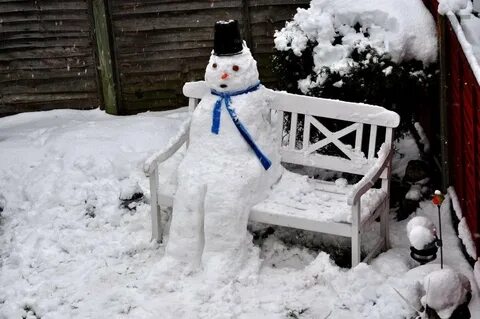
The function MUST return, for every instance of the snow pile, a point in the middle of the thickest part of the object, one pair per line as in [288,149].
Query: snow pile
[445,6]
[421,232]
[445,291]
[404,29]
[68,249]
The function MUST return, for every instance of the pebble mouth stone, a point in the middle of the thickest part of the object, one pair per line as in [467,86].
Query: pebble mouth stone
[223,86]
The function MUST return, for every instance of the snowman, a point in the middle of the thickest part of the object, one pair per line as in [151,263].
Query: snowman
[231,163]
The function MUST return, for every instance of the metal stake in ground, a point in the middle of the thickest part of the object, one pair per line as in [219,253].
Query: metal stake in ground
[437,200]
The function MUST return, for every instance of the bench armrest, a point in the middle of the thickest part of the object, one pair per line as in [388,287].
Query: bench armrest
[172,146]
[360,188]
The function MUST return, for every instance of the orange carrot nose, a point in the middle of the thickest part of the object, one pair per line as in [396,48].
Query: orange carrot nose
[224,76]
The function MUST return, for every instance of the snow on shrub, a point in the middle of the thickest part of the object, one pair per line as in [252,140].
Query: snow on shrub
[379,51]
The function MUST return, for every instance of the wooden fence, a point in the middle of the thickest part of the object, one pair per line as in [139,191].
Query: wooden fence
[47,58]
[145,49]
[462,116]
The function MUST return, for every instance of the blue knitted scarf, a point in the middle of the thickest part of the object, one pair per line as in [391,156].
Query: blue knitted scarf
[226,98]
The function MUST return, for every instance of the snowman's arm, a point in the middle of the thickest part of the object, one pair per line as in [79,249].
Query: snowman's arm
[172,146]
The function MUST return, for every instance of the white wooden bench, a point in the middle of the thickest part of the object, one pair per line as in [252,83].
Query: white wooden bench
[299,201]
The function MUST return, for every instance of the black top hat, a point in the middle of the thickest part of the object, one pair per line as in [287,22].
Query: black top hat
[227,40]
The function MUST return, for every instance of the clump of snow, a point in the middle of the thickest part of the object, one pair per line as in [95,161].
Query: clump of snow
[476,272]
[476,5]
[128,188]
[445,291]
[463,230]
[423,137]
[406,149]
[414,193]
[466,236]
[445,6]
[404,29]
[421,232]
[420,237]
[420,221]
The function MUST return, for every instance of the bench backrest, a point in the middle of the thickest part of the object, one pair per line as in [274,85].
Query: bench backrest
[315,123]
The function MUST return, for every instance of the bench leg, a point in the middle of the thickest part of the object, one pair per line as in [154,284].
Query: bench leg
[356,247]
[157,232]
[356,251]
[384,227]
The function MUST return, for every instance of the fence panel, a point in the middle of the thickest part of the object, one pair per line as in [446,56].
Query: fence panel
[160,45]
[47,58]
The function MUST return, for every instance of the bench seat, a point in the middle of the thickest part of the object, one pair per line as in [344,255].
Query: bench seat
[294,199]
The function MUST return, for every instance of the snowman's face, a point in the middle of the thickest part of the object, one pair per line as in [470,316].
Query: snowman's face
[232,73]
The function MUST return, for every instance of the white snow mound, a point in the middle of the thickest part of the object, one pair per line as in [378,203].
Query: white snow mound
[419,221]
[420,237]
[445,291]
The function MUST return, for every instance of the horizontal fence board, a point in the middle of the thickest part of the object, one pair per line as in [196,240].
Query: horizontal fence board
[39,53]
[120,10]
[27,7]
[75,84]
[47,64]
[20,45]
[47,74]
[44,35]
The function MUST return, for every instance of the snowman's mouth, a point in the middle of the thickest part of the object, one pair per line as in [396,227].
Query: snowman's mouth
[223,86]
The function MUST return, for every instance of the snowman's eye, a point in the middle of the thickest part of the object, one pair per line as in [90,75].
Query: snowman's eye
[214,65]
[235,68]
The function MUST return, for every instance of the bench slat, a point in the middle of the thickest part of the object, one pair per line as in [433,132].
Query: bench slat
[359,137]
[372,141]
[335,109]
[262,216]
[293,131]
[326,162]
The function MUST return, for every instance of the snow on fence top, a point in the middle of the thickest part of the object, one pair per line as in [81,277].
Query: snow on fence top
[466,46]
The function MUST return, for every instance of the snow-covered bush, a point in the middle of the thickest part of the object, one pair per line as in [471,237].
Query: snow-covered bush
[379,52]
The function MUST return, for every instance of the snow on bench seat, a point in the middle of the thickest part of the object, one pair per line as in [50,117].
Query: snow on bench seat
[297,196]
[311,199]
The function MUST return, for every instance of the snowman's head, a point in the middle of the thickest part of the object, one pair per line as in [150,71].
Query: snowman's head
[233,72]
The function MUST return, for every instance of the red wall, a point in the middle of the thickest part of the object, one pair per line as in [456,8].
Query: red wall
[464,128]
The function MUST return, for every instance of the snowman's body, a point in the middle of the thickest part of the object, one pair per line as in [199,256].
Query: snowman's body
[220,177]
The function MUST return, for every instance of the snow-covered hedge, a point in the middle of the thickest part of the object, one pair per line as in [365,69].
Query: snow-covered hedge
[379,51]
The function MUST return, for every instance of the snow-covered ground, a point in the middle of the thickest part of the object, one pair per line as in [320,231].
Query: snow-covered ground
[69,250]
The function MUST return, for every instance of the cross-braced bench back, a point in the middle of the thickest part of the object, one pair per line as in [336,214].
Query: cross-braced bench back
[332,134]
[315,128]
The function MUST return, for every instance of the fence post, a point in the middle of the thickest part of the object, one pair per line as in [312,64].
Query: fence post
[443,103]
[104,53]
[247,30]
